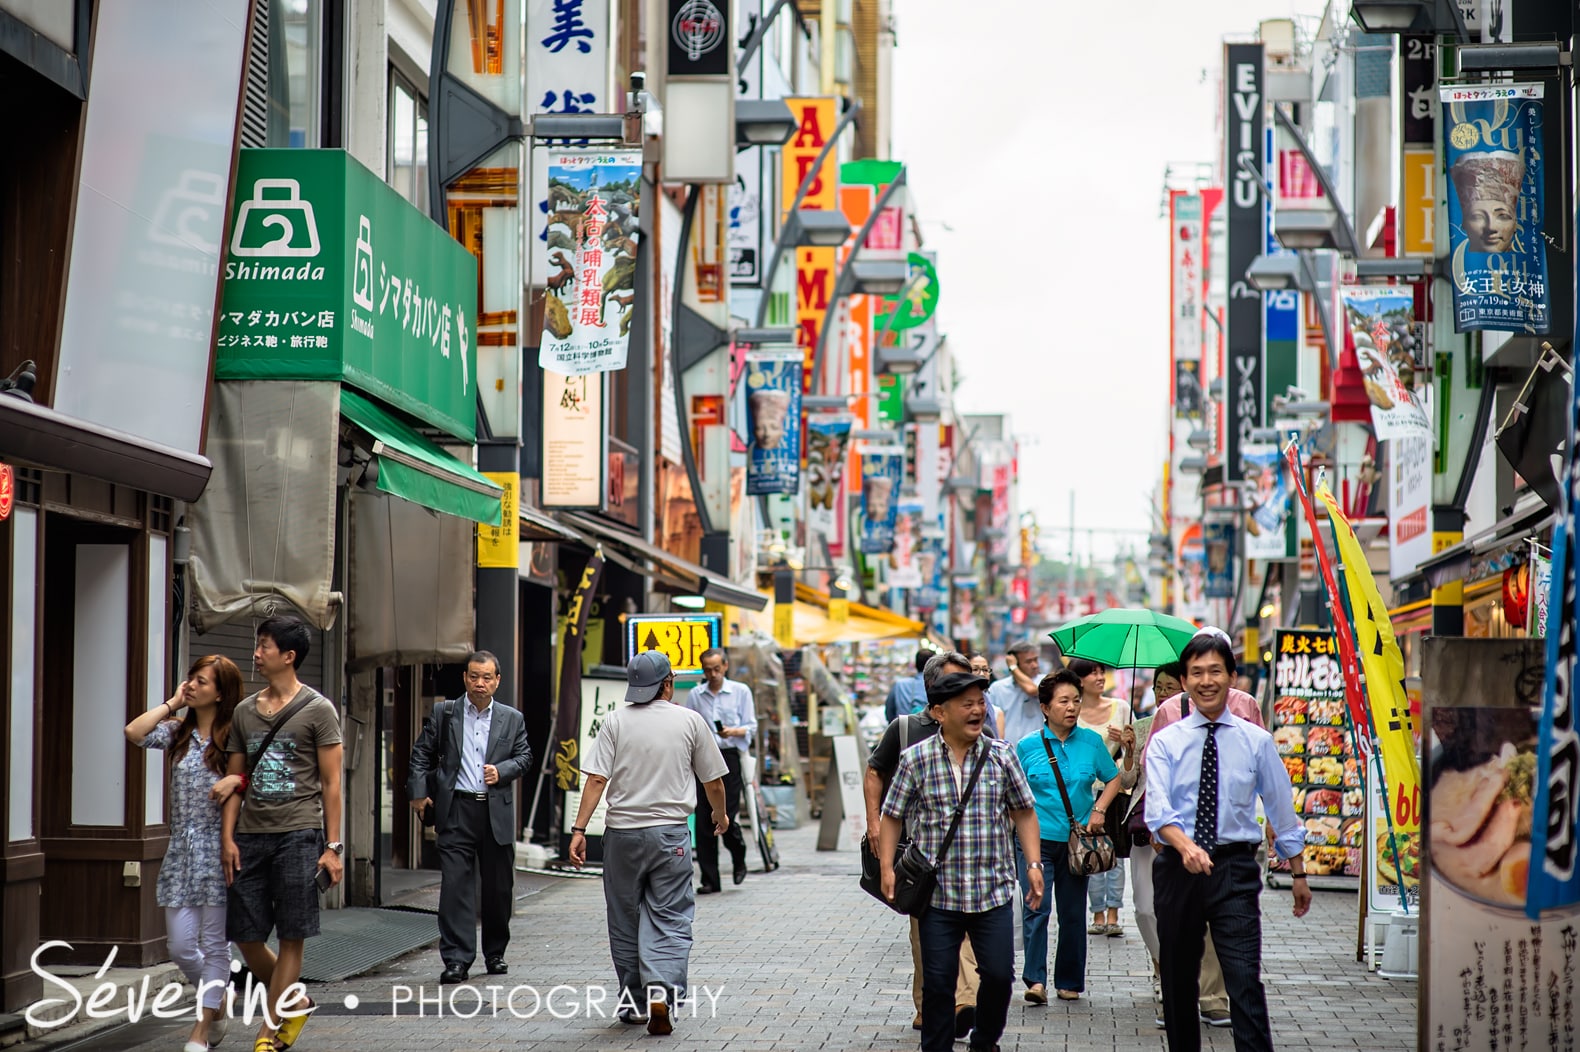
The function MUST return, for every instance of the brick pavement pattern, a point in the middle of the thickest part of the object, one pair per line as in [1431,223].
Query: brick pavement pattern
[803,959]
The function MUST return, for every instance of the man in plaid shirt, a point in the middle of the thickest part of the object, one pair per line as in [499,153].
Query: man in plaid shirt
[976,880]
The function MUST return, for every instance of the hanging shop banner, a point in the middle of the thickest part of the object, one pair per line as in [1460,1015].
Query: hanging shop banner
[575,442]
[905,569]
[1185,298]
[827,438]
[1492,136]
[1317,750]
[1392,860]
[1191,602]
[1383,664]
[1243,141]
[1492,977]
[1541,585]
[1268,503]
[590,297]
[1409,502]
[921,295]
[773,415]
[499,547]
[880,498]
[568,721]
[682,638]
[815,119]
[746,219]
[1218,540]
[1381,320]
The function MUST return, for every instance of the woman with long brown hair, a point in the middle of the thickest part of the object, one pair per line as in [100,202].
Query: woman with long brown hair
[193,727]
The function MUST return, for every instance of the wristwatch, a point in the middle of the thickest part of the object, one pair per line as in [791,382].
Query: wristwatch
[579,829]
[336,846]
[1034,865]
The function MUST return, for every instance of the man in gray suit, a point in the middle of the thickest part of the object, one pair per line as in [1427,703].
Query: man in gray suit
[470,752]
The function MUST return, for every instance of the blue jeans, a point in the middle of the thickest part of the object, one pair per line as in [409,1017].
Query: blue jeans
[1066,890]
[1106,891]
[992,935]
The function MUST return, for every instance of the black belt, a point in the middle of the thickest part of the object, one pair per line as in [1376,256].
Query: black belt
[470,796]
[1233,849]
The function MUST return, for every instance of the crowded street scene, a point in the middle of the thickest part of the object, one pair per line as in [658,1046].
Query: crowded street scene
[605,524]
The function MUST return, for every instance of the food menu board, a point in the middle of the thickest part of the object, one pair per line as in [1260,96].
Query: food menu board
[1309,730]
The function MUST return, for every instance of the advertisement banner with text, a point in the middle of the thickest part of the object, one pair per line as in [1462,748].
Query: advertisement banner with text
[827,440]
[1381,321]
[880,498]
[1243,142]
[773,412]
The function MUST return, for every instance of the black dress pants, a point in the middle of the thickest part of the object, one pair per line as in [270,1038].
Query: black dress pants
[1187,904]
[707,843]
[467,852]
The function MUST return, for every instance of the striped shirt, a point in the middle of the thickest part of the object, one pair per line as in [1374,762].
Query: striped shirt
[978,874]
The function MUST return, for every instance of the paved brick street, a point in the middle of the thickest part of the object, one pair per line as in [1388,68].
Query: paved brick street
[802,959]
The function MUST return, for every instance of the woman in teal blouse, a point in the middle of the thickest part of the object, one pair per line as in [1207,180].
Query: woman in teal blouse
[1083,760]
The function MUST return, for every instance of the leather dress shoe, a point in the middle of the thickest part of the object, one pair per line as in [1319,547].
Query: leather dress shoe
[740,872]
[452,974]
[965,1019]
[497,966]
[708,889]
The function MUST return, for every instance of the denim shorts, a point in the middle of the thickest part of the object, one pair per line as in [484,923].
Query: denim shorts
[275,890]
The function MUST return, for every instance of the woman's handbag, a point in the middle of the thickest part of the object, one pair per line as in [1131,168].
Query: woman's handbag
[1116,826]
[915,875]
[1089,852]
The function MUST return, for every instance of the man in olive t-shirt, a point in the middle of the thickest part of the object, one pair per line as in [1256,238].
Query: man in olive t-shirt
[272,836]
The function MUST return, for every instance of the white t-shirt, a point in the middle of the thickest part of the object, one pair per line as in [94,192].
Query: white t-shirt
[653,756]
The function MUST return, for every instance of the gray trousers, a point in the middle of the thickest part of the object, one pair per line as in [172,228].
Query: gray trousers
[650,904]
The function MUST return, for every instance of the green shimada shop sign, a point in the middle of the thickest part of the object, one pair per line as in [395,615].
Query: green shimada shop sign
[331,275]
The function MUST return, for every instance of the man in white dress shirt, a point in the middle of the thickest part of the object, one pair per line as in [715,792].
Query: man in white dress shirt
[729,709]
[1204,775]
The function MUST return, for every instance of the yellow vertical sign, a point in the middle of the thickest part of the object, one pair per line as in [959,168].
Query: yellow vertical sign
[1418,209]
[784,625]
[499,547]
[815,120]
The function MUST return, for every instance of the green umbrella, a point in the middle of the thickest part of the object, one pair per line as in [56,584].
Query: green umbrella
[1125,638]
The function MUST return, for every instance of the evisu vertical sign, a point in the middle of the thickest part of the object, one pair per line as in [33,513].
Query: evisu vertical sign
[1242,159]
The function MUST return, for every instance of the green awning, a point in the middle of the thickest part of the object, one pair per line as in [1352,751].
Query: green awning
[413,468]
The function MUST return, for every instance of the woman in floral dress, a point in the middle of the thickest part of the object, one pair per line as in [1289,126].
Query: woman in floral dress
[192,727]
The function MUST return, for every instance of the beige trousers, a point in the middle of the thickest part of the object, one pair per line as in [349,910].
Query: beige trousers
[965,983]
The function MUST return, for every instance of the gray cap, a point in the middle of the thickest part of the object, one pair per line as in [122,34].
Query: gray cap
[645,676]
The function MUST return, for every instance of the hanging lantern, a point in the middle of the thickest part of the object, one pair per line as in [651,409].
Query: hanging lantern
[1516,593]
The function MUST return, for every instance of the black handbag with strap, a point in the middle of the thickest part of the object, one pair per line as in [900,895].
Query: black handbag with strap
[915,875]
[1089,852]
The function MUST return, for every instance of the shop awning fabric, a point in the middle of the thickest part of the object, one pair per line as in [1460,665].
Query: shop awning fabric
[413,468]
[708,584]
[867,623]
[1452,563]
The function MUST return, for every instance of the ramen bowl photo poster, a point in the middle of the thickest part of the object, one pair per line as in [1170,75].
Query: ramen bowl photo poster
[1490,976]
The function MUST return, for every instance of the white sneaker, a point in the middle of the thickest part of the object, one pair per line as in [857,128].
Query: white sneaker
[216,1030]
[194,1046]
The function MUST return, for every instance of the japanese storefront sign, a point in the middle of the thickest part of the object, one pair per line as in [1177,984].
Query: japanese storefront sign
[1000,509]
[1381,320]
[1191,601]
[591,295]
[880,497]
[1541,585]
[1185,300]
[575,445]
[1268,504]
[1243,141]
[905,568]
[1317,750]
[827,439]
[7,491]
[814,287]
[1493,152]
[1418,170]
[1218,541]
[815,120]
[332,275]
[569,727]
[682,638]
[567,63]
[1388,860]
[699,38]
[500,546]
[1491,976]
[920,301]
[1409,504]
[746,219]
[773,413]
[1280,307]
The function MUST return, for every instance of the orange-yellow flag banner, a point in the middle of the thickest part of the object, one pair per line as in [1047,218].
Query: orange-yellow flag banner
[1384,667]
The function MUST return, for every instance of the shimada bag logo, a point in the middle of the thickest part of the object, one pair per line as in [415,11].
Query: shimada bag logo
[275,223]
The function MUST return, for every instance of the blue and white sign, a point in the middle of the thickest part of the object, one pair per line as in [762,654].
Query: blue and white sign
[773,417]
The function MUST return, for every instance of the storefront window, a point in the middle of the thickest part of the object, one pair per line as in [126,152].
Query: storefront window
[408,142]
[295,64]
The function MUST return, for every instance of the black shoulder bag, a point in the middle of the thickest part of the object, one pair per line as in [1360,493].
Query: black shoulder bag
[1089,852]
[428,816]
[915,875]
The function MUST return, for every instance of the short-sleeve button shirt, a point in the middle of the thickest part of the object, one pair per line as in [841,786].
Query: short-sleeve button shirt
[978,873]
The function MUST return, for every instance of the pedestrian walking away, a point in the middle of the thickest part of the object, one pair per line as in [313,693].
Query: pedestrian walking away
[908,696]
[1083,761]
[463,768]
[961,774]
[1205,774]
[648,757]
[276,834]
[730,710]
[900,735]
[193,728]
[1109,717]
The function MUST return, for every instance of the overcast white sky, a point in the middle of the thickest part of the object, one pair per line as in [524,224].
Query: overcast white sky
[1036,137]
